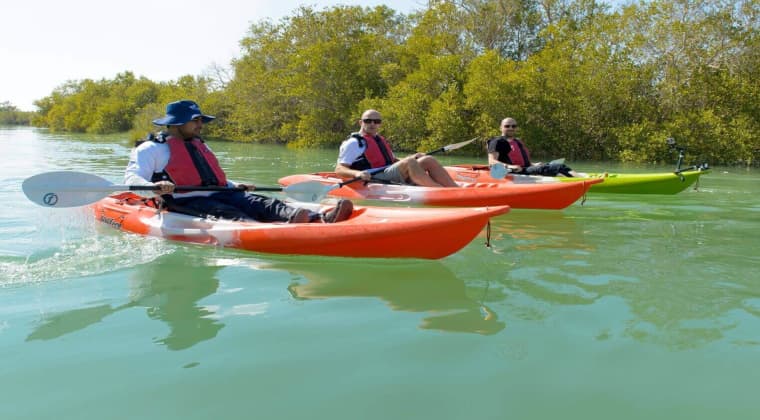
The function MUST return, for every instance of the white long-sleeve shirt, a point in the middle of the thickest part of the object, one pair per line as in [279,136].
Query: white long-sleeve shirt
[145,160]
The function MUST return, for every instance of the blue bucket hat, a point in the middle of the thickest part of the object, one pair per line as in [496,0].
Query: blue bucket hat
[180,112]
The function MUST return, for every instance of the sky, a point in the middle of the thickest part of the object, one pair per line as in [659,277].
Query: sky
[44,43]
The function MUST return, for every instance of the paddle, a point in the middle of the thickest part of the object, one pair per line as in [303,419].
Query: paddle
[73,189]
[499,171]
[452,146]
[327,188]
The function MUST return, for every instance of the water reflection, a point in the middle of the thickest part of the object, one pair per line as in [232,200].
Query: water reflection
[679,315]
[670,276]
[427,287]
[169,289]
[62,323]
[537,230]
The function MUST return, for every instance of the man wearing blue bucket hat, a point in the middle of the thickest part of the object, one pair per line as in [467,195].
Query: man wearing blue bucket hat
[181,112]
[180,157]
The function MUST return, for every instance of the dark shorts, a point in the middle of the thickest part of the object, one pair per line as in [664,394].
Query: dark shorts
[548,169]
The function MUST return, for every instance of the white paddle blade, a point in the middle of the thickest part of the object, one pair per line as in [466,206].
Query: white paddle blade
[458,145]
[557,161]
[308,191]
[498,171]
[66,189]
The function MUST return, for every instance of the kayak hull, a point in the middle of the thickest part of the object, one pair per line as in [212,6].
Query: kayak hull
[654,183]
[552,196]
[371,232]
[615,183]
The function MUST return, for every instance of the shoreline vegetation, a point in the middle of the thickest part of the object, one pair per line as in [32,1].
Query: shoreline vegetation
[11,115]
[585,81]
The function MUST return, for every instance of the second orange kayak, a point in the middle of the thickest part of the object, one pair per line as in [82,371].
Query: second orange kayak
[553,196]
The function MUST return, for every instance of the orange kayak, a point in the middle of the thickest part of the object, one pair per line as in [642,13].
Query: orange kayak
[557,195]
[377,232]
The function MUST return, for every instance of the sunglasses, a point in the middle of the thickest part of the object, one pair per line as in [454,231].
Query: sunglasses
[372,120]
[510,126]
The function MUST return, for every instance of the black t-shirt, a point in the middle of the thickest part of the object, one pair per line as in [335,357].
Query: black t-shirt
[501,146]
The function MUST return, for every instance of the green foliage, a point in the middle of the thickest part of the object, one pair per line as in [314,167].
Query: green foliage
[11,115]
[103,106]
[447,121]
[582,80]
[300,80]
[143,121]
[427,108]
[110,106]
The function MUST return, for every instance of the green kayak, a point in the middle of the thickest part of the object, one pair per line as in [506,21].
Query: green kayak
[653,183]
[646,183]
[616,183]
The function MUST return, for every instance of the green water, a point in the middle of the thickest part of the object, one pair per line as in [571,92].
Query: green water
[625,307]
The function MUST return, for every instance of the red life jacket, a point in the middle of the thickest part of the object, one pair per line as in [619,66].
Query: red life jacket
[184,171]
[518,154]
[377,152]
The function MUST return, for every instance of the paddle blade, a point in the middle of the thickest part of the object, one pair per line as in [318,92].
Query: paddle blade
[308,191]
[498,171]
[66,189]
[457,145]
[557,161]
